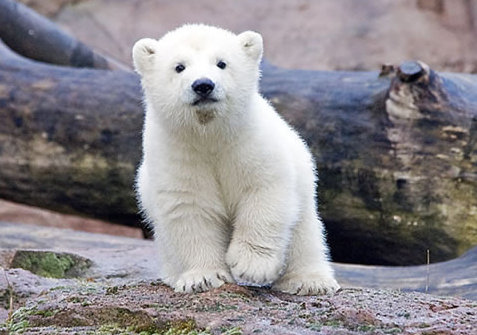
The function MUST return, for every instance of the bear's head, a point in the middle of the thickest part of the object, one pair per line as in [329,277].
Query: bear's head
[198,72]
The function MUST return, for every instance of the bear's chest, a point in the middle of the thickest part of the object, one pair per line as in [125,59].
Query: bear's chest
[239,173]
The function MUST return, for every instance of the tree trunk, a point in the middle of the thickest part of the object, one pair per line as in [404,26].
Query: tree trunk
[396,154]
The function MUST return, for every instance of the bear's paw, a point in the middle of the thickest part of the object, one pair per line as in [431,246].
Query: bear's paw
[201,281]
[251,264]
[306,284]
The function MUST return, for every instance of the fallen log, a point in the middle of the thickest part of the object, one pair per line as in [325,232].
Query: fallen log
[396,154]
[69,138]
[34,36]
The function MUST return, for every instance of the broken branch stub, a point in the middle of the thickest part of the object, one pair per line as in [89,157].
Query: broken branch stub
[410,71]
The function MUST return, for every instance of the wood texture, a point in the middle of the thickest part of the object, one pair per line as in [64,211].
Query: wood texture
[69,138]
[396,155]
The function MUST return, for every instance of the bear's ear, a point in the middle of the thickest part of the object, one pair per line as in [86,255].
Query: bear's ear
[252,44]
[143,54]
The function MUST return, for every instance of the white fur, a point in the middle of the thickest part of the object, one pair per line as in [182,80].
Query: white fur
[228,186]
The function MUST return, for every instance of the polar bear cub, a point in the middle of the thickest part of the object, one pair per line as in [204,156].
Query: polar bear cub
[228,186]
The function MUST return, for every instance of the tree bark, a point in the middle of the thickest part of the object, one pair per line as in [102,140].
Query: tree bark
[69,138]
[34,36]
[396,154]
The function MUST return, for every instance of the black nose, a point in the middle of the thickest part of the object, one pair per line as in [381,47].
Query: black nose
[203,87]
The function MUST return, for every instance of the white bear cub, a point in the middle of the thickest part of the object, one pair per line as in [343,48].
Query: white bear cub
[228,186]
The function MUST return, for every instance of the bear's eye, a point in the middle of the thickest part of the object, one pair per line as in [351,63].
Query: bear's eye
[180,68]
[221,65]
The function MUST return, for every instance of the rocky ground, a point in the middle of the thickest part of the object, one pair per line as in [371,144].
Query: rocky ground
[152,308]
[57,281]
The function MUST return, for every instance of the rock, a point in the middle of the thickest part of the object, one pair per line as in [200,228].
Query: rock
[50,264]
[113,257]
[119,294]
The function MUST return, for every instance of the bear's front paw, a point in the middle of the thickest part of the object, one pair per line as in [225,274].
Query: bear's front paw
[306,284]
[201,281]
[253,264]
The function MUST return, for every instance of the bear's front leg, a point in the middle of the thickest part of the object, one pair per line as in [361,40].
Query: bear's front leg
[197,242]
[309,270]
[191,234]
[262,230]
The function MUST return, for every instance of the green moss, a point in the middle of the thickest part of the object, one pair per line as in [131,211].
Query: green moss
[50,264]
[110,329]
[114,328]
[112,290]
[333,323]
[47,313]
[217,307]
[18,327]
[232,331]
[18,322]
[183,327]
[406,213]
[366,328]
[315,326]
[5,296]
[234,295]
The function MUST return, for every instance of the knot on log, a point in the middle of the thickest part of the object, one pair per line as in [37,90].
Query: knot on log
[414,88]
[416,85]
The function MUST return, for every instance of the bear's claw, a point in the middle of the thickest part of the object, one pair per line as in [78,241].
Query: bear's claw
[251,267]
[306,284]
[201,281]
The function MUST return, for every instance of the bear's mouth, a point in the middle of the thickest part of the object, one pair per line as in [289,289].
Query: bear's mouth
[202,101]
[205,116]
